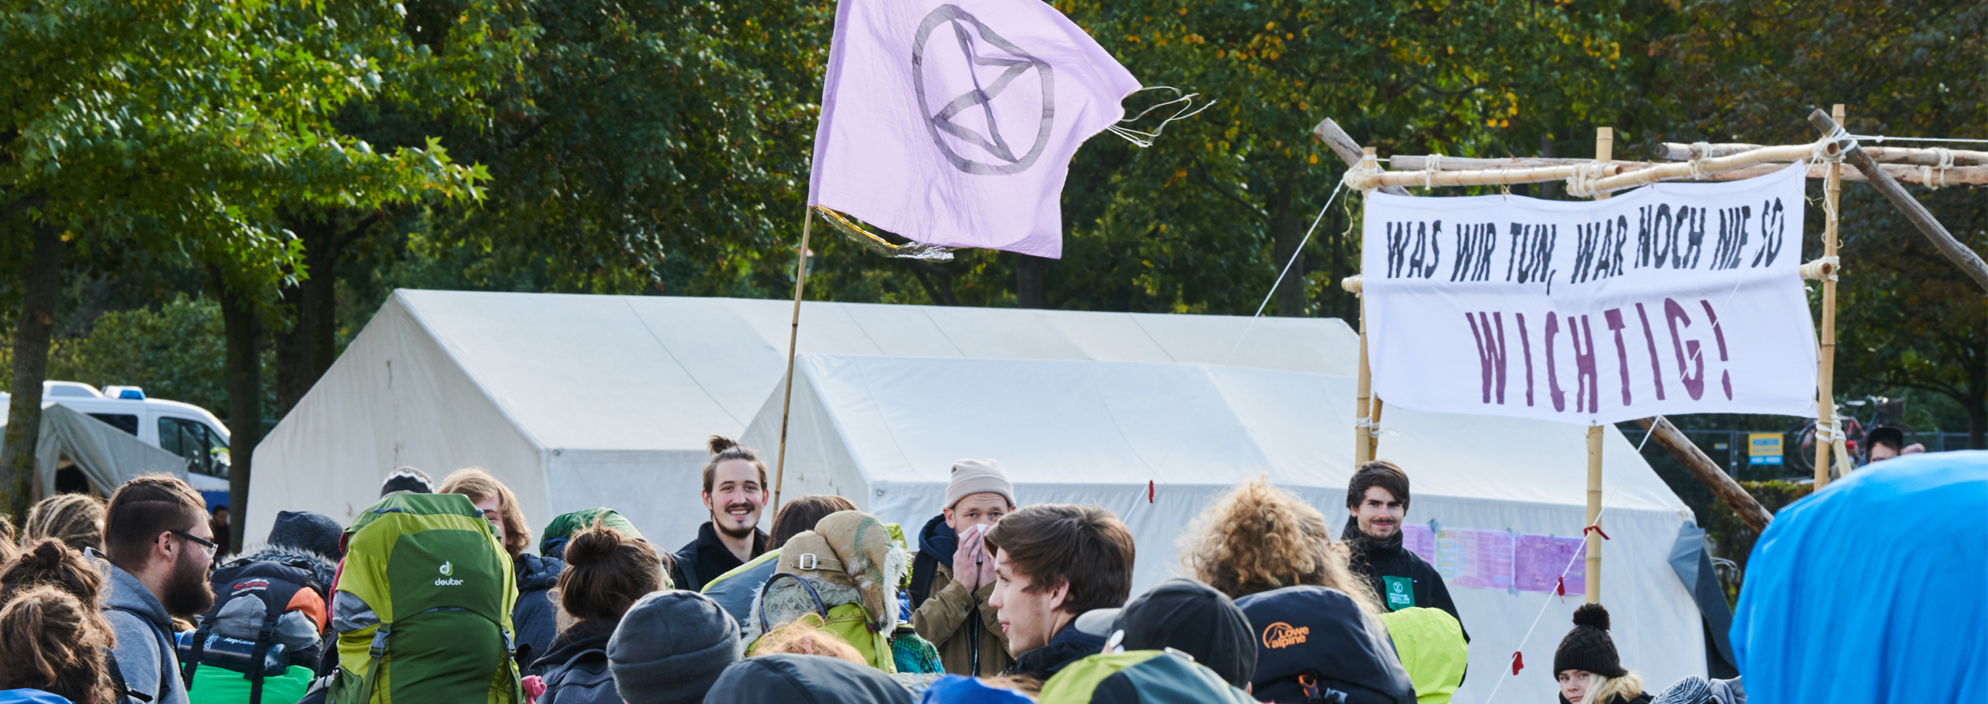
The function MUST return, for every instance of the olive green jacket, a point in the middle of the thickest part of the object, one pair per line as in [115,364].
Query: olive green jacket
[942,619]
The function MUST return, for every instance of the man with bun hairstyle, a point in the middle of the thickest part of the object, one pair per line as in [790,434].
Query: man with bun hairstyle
[1377,504]
[1052,564]
[734,493]
[953,576]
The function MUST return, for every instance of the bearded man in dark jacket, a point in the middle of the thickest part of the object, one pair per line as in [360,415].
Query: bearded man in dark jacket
[1377,498]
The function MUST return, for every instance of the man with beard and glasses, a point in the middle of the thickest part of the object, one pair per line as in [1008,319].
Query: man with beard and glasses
[1377,498]
[159,550]
[734,492]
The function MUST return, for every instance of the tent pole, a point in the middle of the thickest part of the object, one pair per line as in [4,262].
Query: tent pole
[793,336]
[1825,398]
[1363,451]
[1374,432]
[1604,152]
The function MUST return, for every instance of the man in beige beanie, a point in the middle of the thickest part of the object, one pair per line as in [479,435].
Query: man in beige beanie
[953,576]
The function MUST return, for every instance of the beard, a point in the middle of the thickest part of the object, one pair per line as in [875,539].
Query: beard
[187,593]
[722,522]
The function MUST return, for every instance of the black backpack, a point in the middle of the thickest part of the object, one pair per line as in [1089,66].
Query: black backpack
[282,586]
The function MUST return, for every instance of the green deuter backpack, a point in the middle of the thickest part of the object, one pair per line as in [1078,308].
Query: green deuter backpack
[435,623]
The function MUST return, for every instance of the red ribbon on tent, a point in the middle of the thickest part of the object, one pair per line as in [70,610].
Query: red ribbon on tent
[1518,662]
[1597,529]
[1560,589]
[1149,491]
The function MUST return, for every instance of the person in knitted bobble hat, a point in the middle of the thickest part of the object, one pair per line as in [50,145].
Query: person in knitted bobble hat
[1587,667]
[670,647]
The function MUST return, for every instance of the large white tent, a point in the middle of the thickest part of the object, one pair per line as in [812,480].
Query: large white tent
[884,432]
[579,401]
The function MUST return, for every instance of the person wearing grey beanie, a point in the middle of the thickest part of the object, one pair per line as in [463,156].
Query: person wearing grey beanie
[670,647]
[304,530]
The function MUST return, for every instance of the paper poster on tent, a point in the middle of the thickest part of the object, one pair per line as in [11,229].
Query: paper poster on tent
[1480,559]
[1674,298]
[1538,561]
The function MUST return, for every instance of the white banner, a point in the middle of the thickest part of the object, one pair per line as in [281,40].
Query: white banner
[1673,298]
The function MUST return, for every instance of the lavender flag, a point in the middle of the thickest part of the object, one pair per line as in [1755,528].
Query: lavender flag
[953,123]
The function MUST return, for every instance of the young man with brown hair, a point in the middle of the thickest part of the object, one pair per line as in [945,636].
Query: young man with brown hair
[1053,563]
[158,546]
[533,617]
[1377,500]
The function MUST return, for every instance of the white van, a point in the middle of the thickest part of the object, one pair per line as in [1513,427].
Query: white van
[180,428]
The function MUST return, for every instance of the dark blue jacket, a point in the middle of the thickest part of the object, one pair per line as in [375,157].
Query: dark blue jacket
[535,618]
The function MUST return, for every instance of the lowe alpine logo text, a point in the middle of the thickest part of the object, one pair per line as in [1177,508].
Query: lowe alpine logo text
[1284,635]
[448,568]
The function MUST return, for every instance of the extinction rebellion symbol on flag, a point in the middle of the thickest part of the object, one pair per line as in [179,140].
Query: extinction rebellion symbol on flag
[952,124]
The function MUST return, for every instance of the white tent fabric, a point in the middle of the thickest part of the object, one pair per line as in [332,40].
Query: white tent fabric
[884,432]
[579,401]
[108,457]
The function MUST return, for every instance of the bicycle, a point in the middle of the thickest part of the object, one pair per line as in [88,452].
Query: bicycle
[1884,411]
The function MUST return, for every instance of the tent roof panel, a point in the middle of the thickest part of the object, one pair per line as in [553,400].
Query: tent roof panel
[658,373]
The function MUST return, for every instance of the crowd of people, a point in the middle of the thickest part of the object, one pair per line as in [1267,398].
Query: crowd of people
[434,595]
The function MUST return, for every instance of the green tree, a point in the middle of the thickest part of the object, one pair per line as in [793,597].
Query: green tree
[181,131]
[1752,72]
[175,350]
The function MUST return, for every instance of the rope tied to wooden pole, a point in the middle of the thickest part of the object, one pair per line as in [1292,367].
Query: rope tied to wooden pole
[1584,183]
[1823,269]
[1926,172]
[1360,177]
[1429,169]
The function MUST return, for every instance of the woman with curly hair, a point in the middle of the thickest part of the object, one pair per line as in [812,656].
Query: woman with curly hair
[52,638]
[1258,537]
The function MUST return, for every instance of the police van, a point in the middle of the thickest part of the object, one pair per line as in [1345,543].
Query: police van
[180,428]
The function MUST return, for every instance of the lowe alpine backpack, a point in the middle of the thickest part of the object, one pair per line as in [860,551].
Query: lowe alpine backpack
[423,606]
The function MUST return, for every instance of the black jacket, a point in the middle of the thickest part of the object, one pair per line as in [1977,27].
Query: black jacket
[1379,559]
[707,558]
[533,618]
[1069,645]
[575,666]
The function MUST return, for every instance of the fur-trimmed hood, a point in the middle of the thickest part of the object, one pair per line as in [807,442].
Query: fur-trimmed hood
[784,600]
[325,569]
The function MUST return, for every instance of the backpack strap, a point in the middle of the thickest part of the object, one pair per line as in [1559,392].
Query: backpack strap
[122,685]
[199,650]
[922,568]
[820,607]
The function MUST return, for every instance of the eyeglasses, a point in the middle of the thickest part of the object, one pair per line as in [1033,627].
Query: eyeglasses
[212,547]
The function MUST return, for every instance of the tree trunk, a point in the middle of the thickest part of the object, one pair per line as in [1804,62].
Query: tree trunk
[244,399]
[304,351]
[1031,281]
[1977,425]
[1287,228]
[41,290]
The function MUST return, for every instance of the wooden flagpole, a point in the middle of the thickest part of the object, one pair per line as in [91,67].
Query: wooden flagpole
[1363,451]
[1825,398]
[793,336]
[1604,152]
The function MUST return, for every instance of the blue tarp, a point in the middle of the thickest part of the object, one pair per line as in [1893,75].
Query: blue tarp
[1873,590]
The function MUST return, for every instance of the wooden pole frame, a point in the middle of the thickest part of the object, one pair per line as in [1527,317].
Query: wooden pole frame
[793,338]
[1363,448]
[1825,378]
[1604,153]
